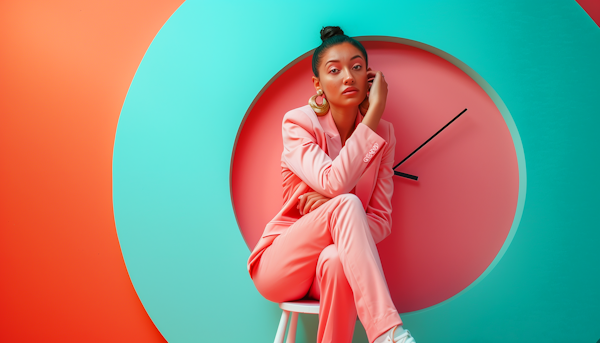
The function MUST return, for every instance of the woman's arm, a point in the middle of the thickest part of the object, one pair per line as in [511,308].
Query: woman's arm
[309,162]
[379,210]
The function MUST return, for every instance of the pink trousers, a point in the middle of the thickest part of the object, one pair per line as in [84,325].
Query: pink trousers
[329,255]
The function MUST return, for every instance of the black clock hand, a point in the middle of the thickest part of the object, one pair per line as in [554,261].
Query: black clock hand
[422,145]
[408,176]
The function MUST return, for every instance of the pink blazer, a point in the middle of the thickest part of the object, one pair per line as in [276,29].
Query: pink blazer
[313,159]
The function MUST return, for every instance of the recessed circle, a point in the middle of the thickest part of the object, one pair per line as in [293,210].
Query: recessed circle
[447,227]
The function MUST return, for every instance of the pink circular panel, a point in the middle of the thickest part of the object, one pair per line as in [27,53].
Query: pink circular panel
[450,224]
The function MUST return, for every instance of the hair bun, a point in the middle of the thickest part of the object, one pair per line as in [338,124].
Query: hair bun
[330,31]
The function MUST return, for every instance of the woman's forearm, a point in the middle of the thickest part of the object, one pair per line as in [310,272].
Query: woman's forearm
[373,115]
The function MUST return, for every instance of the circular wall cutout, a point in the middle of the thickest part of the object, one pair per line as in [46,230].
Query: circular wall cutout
[449,225]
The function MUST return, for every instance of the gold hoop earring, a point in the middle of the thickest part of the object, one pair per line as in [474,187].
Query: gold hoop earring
[319,109]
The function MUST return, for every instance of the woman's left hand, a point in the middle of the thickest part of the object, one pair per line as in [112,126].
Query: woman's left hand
[310,201]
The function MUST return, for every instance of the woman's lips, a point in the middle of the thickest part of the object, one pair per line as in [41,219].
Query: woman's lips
[350,91]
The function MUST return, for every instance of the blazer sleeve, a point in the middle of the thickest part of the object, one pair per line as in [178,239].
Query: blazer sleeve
[379,209]
[309,162]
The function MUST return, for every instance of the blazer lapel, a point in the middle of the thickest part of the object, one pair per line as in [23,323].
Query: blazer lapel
[332,136]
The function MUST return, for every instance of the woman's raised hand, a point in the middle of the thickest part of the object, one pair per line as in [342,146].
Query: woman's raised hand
[310,201]
[379,88]
[374,105]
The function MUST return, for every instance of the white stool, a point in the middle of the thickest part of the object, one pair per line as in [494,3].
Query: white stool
[300,306]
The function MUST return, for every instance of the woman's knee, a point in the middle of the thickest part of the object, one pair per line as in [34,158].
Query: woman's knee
[349,200]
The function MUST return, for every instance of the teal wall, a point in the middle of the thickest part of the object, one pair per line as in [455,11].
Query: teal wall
[171,163]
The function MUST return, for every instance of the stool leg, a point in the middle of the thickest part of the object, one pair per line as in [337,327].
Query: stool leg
[291,338]
[281,329]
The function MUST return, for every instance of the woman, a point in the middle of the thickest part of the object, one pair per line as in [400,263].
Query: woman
[337,180]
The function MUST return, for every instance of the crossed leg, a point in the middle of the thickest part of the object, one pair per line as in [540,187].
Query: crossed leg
[333,245]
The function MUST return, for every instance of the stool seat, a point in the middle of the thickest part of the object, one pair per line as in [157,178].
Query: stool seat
[301,306]
[295,307]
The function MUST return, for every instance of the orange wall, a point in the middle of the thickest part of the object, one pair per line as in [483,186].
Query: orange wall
[65,68]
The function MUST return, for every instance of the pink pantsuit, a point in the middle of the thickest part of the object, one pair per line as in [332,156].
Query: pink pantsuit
[330,253]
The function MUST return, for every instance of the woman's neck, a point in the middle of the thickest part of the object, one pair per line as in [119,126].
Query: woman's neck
[344,118]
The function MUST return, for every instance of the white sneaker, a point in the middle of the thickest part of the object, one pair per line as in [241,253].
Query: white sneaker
[405,337]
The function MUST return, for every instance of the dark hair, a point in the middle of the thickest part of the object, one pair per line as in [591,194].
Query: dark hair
[333,35]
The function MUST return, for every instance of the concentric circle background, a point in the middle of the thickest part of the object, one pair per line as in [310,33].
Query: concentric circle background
[66,68]
[173,148]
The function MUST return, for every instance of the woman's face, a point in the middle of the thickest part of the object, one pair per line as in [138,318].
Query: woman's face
[343,75]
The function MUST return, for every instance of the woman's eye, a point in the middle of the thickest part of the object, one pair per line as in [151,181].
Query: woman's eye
[333,70]
[357,67]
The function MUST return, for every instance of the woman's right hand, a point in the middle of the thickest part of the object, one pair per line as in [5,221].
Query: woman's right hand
[310,201]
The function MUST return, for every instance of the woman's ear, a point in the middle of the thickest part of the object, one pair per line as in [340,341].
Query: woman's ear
[316,83]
